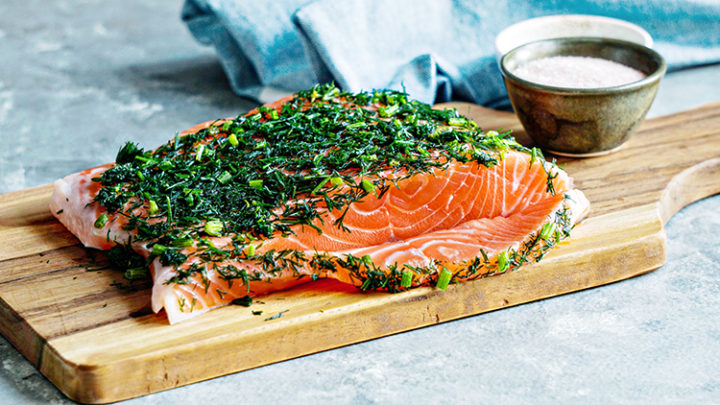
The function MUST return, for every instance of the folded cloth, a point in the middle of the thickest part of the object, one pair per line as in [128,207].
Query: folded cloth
[436,50]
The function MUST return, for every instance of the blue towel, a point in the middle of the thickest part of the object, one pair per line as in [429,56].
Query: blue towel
[436,50]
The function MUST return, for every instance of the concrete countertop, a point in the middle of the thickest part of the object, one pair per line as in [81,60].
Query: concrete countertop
[80,78]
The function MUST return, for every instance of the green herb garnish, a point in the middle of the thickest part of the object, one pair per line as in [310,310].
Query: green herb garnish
[262,175]
[101,221]
[444,279]
[406,279]
[245,301]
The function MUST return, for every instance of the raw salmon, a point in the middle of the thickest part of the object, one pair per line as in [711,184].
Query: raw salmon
[424,216]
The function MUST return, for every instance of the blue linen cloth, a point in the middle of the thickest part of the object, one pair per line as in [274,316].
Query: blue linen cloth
[436,50]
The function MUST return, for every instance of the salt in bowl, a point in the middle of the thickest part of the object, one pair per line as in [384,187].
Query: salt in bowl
[582,122]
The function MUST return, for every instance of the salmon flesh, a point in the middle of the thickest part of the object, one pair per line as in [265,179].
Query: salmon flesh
[370,189]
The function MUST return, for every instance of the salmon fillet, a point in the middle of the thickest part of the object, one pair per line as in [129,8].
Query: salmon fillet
[394,196]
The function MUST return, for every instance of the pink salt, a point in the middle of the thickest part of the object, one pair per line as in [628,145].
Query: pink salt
[577,72]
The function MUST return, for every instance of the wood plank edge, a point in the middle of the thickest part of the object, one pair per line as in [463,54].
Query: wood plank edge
[690,185]
[20,334]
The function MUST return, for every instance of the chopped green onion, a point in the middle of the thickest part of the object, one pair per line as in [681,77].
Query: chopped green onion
[251,250]
[140,175]
[182,242]
[233,140]
[166,165]
[213,130]
[157,249]
[144,159]
[199,152]
[214,228]
[406,279]
[388,111]
[367,260]
[260,145]
[367,186]
[226,126]
[152,207]
[336,181]
[547,230]
[255,183]
[444,279]
[136,273]
[503,263]
[457,121]
[101,221]
[273,114]
[224,177]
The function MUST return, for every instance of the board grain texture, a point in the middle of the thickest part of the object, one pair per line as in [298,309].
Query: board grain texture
[99,344]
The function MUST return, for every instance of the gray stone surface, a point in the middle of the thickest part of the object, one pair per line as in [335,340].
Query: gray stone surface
[79,78]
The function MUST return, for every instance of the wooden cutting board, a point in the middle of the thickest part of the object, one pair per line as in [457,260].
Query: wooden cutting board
[97,343]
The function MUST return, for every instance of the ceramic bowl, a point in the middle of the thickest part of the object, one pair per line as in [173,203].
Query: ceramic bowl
[571,25]
[582,122]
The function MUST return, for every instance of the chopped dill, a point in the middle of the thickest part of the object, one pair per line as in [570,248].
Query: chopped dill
[262,174]
[245,301]
[311,154]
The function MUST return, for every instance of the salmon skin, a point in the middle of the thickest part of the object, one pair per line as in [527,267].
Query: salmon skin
[371,189]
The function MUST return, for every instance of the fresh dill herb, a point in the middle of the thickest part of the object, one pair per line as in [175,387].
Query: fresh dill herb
[172,257]
[302,156]
[262,174]
[122,257]
[245,301]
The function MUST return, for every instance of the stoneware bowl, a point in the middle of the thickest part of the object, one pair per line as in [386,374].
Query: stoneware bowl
[582,122]
[569,25]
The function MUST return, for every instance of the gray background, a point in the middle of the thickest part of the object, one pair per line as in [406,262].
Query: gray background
[79,78]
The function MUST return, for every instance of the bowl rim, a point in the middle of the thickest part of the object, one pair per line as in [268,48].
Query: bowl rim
[549,20]
[652,77]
